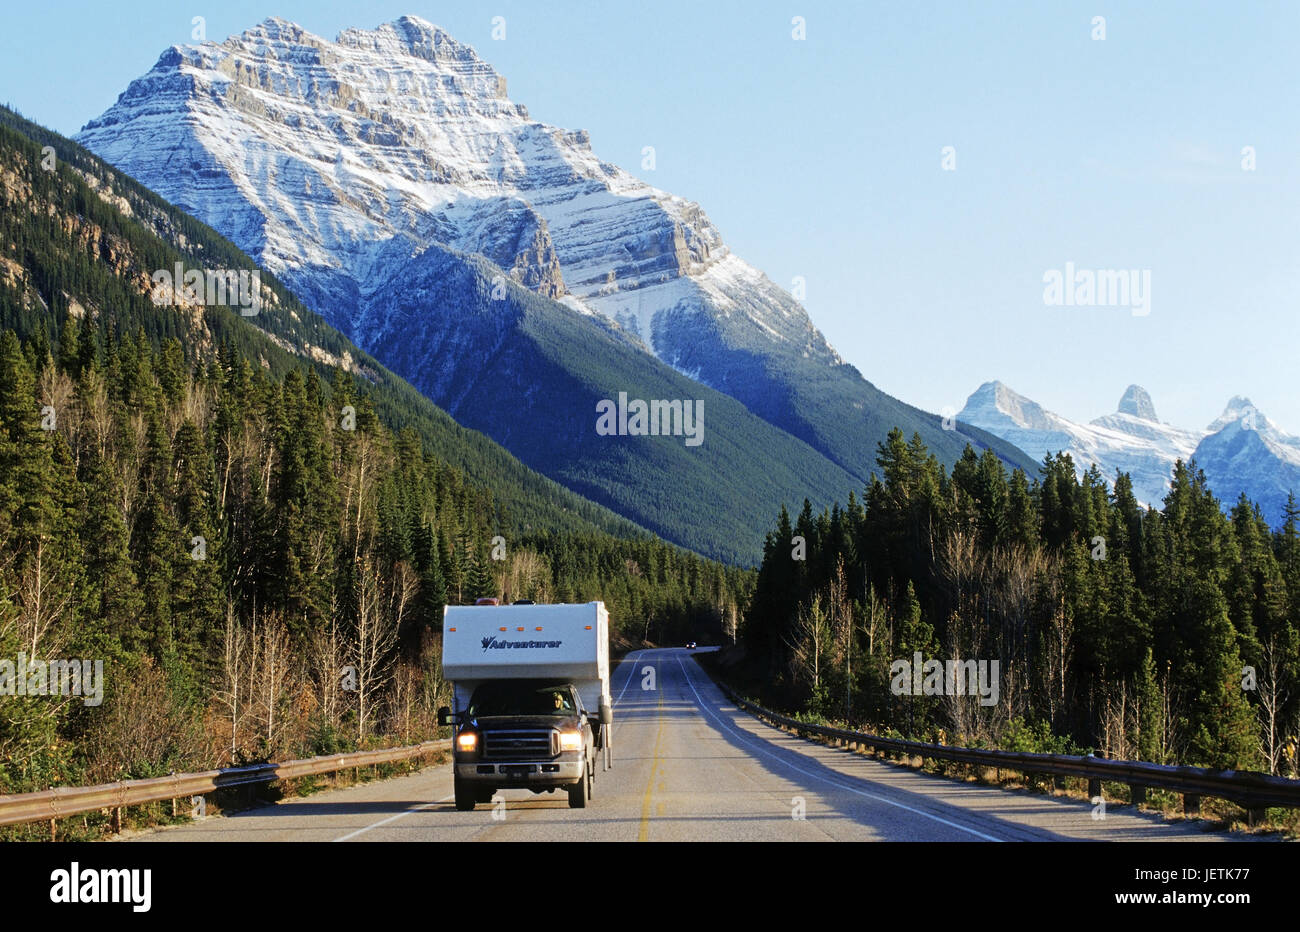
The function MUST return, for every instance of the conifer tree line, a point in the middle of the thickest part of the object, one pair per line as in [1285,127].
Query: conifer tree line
[1165,634]
[259,561]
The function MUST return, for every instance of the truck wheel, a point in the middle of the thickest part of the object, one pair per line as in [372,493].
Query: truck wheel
[578,793]
[464,794]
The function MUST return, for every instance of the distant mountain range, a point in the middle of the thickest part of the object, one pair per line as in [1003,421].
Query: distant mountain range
[1241,451]
[509,273]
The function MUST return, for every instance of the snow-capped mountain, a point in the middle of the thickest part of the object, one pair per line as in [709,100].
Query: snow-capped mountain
[338,164]
[347,154]
[1246,452]
[1132,440]
[1241,451]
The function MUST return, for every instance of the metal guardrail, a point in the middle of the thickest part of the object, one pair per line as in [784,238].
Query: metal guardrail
[48,805]
[1253,791]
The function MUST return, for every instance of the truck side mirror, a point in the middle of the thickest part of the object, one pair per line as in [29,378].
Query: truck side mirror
[444,716]
[606,713]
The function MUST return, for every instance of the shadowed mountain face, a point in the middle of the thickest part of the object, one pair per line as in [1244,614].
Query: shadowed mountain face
[339,164]
[1246,452]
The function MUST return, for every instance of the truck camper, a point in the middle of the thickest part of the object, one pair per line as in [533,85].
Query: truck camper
[531,699]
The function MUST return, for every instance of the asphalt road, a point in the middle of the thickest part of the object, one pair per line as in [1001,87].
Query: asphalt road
[689,766]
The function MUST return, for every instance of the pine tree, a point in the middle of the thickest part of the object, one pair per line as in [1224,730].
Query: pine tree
[915,636]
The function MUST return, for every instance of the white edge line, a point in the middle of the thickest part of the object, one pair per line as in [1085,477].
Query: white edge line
[394,818]
[843,786]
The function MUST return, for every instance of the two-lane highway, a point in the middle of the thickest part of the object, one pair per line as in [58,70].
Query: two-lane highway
[690,766]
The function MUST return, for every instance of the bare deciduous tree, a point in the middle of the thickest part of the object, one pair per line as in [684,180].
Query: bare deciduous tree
[328,654]
[809,643]
[272,677]
[1119,718]
[230,694]
[1273,694]
[43,600]
[381,606]
[527,576]
[1169,738]
[841,626]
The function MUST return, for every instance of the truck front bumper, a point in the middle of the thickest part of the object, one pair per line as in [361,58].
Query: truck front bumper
[516,774]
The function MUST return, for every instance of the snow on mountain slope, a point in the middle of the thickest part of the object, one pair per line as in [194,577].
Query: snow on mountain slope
[334,163]
[320,153]
[1246,452]
[1241,451]
[1131,440]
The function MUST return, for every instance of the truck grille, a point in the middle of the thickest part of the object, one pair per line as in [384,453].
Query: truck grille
[518,745]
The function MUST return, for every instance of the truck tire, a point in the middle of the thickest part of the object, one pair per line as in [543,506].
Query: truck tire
[465,796]
[580,792]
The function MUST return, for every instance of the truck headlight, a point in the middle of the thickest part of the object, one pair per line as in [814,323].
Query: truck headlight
[466,741]
[570,741]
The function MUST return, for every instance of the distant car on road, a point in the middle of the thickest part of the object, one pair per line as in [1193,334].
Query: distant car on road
[690,645]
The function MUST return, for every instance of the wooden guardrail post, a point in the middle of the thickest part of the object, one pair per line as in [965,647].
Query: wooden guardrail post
[1094,783]
[1191,804]
[1138,792]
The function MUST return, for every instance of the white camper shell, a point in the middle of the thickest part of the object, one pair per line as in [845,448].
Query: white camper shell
[516,642]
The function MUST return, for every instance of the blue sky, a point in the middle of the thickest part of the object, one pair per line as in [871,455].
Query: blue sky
[822,158]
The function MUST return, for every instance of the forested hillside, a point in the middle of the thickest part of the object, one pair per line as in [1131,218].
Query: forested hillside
[114,233]
[1164,635]
[255,528]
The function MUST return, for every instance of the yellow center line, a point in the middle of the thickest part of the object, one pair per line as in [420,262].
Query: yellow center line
[643,834]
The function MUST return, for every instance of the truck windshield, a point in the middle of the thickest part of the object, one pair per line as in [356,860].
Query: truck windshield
[521,699]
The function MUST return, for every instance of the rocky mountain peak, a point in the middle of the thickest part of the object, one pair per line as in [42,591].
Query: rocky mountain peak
[1136,401]
[1239,408]
[400,135]
[276,29]
[997,398]
[416,37]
